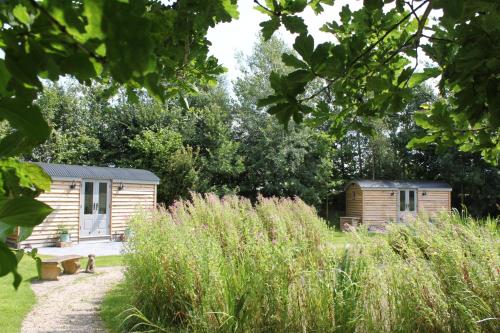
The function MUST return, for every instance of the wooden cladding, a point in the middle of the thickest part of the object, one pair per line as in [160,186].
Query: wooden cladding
[354,201]
[66,204]
[379,207]
[432,202]
[126,199]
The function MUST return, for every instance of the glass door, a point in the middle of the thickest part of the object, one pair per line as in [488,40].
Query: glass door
[95,206]
[101,212]
[407,204]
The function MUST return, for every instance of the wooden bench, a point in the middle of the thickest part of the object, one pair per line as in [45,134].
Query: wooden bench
[349,223]
[51,270]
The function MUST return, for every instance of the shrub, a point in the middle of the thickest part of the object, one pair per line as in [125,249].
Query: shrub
[224,265]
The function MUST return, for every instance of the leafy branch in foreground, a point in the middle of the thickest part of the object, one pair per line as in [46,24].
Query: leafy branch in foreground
[20,184]
[372,63]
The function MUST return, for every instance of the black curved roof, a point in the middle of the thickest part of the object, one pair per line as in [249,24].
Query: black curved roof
[93,172]
[396,184]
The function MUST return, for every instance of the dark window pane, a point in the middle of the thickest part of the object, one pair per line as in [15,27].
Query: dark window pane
[402,201]
[89,198]
[103,197]
[412,201]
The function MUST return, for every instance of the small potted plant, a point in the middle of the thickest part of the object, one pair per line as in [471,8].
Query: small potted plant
[64,237]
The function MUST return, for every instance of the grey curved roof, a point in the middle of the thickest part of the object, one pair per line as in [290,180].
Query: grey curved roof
[93,172]
[396,184]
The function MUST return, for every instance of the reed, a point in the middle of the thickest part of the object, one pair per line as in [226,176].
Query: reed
[225,265]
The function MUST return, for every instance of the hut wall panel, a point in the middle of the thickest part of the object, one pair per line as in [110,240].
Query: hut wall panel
[66,204]
[379,207]
[354,201]
[126,202]
[433,202]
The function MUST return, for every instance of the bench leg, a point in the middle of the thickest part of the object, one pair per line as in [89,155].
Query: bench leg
[71,266]
[50,272]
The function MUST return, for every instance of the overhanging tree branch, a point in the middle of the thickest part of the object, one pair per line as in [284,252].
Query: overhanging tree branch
[381,39]
[370,48]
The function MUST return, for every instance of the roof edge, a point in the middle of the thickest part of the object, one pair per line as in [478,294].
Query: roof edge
[78,172]
[114,180]
[366,184]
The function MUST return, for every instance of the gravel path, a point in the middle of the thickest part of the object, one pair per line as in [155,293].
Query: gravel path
[72,303]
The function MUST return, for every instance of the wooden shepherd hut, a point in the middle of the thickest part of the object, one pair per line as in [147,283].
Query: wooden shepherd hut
[377,202]
[92,203]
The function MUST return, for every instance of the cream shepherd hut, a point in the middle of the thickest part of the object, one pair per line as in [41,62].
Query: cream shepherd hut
[91,202]
[376,202]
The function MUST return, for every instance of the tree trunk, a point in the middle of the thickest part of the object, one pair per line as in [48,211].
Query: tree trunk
[360,159]
[373,163]
[342,161]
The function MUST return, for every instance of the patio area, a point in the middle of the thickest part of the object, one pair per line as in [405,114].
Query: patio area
[85,248]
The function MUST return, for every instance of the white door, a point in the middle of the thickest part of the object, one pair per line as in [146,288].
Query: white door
[95,207]
[407,205]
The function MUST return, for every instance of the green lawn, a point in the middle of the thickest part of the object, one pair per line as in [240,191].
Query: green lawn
[340,237]
[104,261]
[14,305]
[113,305]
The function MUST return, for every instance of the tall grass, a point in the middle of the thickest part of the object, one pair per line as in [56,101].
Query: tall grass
[223,265]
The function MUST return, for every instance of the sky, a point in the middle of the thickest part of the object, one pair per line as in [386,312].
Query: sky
[228,39]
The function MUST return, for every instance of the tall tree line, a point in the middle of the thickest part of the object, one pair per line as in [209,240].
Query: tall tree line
[220,141]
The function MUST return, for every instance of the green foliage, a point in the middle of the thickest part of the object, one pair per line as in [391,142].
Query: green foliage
[232,147]
[34,255]
[236,148]
[164,153]
[220,146]
[295,162]
[370,67]
[220,158]
[189,148]
[20,183]
[226,265]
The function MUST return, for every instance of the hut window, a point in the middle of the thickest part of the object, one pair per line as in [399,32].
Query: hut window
[412,201]
[103,197]
[89,198]
[354,194]
[402,201]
